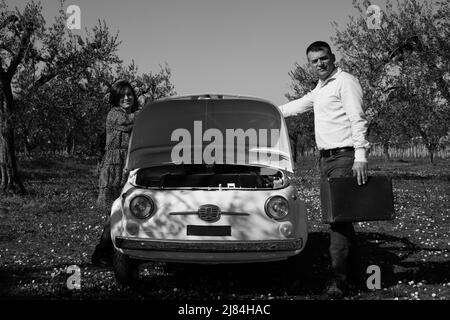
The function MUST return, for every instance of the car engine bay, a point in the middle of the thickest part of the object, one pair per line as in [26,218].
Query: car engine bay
[214,176]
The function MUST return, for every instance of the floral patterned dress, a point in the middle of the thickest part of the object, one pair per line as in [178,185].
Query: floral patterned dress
[119,124]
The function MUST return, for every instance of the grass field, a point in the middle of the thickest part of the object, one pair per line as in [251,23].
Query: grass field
[58,225]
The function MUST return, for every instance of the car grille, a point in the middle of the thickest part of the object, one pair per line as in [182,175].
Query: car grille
[209,213]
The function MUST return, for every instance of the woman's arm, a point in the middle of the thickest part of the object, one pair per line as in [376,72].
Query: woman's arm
[120,121]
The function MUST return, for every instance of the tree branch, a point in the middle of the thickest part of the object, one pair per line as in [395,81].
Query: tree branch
[11,19]
[23,49]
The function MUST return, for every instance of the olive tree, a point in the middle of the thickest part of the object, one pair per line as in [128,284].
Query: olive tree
[403,67]
[51,53]
[301,127]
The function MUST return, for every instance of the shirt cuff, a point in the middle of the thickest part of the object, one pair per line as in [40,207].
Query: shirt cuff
[360,155]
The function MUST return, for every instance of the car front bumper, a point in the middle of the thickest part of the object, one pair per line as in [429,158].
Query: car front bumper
[210,251]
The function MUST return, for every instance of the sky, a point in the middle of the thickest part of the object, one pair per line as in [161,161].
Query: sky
[244,47]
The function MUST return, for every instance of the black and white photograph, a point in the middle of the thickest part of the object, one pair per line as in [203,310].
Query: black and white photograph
[224,158]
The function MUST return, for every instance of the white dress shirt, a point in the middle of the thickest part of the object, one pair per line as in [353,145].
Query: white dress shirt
[339,119]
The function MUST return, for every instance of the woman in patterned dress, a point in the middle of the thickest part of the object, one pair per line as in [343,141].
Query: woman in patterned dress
[113,174]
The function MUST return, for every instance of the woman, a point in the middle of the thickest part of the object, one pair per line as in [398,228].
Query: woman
[113,174]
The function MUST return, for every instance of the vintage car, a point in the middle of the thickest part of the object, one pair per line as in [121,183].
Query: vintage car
[208,183]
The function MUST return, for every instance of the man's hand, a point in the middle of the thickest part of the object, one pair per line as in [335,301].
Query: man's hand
[360,171]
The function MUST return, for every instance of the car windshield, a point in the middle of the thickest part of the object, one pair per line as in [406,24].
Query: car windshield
[216,131]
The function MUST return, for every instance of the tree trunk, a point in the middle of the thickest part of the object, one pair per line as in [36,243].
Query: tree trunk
[295,147]
[67,148]
[73,144]
[11,182]
[27,147]
[386,151]
[431,149]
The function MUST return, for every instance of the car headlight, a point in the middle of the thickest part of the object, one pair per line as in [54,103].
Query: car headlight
[277,207]
[142,207]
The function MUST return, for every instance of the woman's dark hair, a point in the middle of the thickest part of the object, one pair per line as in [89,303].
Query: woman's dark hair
[117,92]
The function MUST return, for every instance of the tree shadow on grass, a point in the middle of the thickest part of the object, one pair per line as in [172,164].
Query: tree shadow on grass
[299,275]
[398,260]
[12,277]
[304,275]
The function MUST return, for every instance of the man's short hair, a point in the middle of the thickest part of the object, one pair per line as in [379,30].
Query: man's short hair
[318,46]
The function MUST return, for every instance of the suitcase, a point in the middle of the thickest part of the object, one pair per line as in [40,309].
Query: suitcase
[343,200]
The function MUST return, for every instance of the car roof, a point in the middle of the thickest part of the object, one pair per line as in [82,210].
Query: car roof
[214,96]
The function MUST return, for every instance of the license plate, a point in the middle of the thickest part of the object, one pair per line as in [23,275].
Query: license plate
[218,231]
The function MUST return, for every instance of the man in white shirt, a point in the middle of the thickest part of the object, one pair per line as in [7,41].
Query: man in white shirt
[340,130]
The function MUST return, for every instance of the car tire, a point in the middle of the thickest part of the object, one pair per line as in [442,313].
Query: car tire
[126,269]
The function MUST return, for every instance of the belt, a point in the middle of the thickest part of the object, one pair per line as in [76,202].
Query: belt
[331,152]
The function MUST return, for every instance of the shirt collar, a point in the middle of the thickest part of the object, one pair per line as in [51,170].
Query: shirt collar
[332,76]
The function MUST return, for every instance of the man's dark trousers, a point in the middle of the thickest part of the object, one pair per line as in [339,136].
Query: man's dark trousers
[344,260]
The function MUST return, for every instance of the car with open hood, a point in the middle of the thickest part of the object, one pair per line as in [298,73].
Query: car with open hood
[208,183]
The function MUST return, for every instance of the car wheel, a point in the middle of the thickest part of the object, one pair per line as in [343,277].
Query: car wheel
[126,269]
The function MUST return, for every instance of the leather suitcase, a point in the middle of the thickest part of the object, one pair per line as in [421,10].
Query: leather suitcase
[342,199]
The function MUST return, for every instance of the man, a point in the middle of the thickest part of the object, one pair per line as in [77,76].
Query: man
[340,131]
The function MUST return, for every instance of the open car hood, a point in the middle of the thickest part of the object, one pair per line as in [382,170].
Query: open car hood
[245,131]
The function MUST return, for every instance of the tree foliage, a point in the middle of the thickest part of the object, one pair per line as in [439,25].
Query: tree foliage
[54,86]
[69,115]
[301,127]
[403,68]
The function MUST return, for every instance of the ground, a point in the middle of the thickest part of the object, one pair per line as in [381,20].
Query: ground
[58,224]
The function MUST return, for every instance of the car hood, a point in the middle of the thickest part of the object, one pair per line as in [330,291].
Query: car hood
[232,131]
